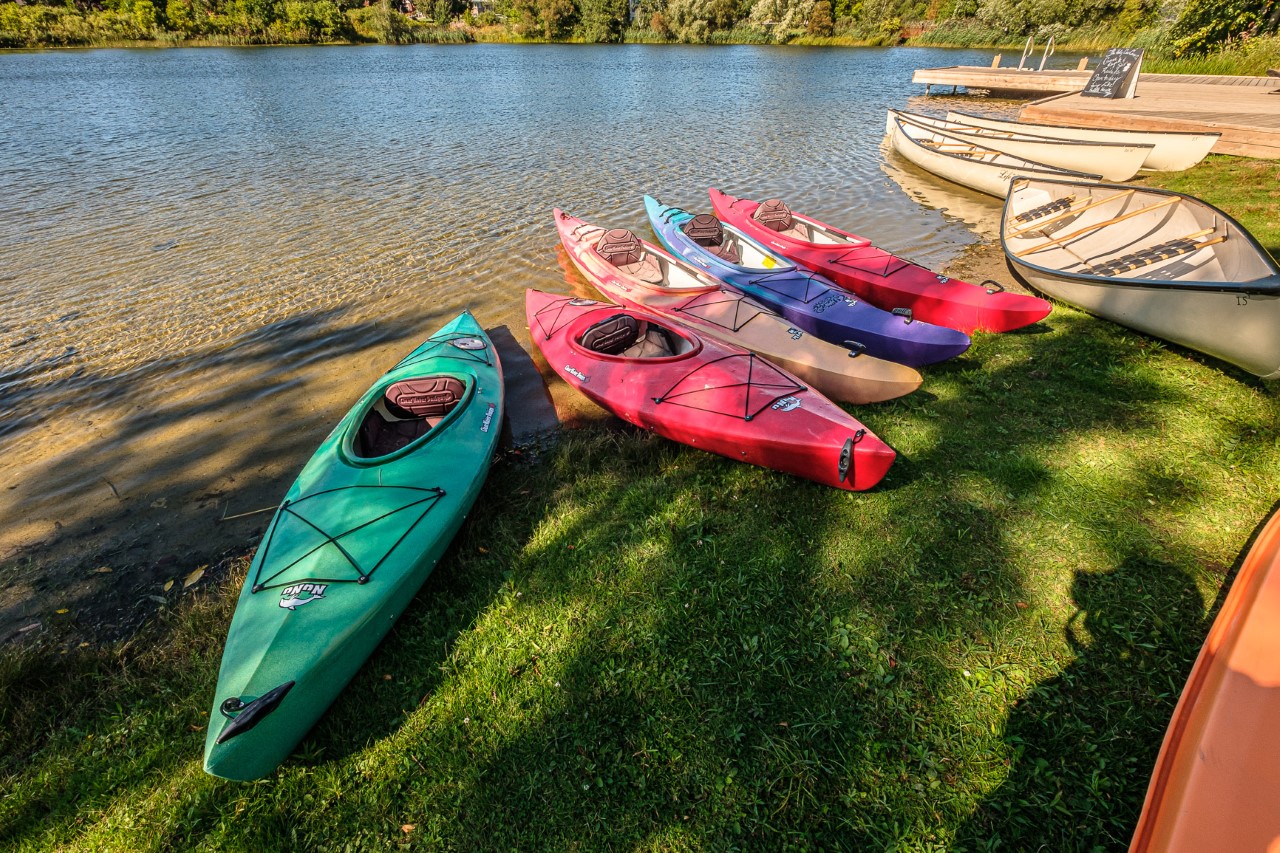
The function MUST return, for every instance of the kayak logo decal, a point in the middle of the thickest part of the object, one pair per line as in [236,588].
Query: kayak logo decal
[786,404]
[488,418]
[795,333]
[830,300]
[569,369]
[293,597]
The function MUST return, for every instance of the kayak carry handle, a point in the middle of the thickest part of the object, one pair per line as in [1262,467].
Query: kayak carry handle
[903,312]
[846,453]
[856,348]
[995,286]
[244,716]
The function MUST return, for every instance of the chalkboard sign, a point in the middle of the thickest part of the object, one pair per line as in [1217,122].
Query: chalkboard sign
[1116,75]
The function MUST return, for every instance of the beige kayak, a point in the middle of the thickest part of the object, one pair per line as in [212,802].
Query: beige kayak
[1160,262]
[1114,161]
[1171,151]
[643,276]
[969,164]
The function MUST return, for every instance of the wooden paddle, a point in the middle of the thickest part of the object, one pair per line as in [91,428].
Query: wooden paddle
[1081,231]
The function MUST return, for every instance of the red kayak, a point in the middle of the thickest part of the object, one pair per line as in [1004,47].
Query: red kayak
[714,396]
[880,277]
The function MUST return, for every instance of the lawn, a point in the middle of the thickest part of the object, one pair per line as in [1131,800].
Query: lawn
[637,645]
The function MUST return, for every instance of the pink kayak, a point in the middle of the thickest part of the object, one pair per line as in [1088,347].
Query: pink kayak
[878,276]
[638,274]
[664,377]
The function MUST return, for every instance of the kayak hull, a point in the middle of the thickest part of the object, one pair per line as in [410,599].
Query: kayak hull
[1216,783]
[706,305]
[810,301]
[710,395]
[352,542]
[887,281]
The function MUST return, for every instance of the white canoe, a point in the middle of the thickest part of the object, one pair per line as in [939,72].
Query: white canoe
[975,166]
[1114,161]
[1160,262]
[1171,151]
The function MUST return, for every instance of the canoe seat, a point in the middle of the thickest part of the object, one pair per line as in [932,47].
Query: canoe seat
[708,232]
[774,214]
[624,250]
[625,336]
[407,411]
[1056,206]
[1147,257]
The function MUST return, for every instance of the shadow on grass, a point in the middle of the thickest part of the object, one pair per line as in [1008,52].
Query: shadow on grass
[636,644]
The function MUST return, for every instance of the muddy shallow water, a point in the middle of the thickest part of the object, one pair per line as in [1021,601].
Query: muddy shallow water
[206,255]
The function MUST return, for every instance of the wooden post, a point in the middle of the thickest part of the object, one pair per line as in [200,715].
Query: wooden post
[1084,63]
[995,63]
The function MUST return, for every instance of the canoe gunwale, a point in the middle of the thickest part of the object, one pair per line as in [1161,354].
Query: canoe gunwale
[1035,168]
[911,118]
[1269,286]
[1083,127]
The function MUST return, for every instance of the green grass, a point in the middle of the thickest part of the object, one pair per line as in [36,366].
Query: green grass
[637,645]
[1247,189]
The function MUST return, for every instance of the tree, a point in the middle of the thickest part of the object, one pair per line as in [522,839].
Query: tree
[602,20]
[1208,25]
[820,21]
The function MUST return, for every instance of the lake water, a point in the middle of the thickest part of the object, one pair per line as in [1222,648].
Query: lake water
[207,254]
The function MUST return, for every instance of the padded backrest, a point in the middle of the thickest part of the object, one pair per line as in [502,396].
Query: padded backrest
[612,336]
[429,397]
[704,229]
[619,247]
[774,214]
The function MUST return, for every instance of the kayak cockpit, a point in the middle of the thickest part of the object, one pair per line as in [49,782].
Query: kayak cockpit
[730,245]
[405,412]
[625,336]
[776,216]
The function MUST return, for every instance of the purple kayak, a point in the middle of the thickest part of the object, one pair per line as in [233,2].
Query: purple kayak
[806,299]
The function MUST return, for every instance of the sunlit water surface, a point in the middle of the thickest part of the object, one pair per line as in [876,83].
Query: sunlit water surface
[206,249]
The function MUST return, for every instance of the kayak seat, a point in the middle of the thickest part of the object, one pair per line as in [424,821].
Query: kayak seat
[776,216]
[612,336]
[625,336]
[429,398]
[654,343]
[624,250]
[708,232]
[407,411]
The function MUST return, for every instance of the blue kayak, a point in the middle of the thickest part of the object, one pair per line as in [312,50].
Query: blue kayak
[805,298]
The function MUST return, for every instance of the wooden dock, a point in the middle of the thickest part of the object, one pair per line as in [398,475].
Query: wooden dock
[1061,81]
[1245,110]
[1248,117]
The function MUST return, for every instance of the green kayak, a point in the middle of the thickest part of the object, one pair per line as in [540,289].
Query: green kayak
[357,534]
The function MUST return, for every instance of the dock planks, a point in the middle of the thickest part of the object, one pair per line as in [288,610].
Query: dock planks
[1245,110]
